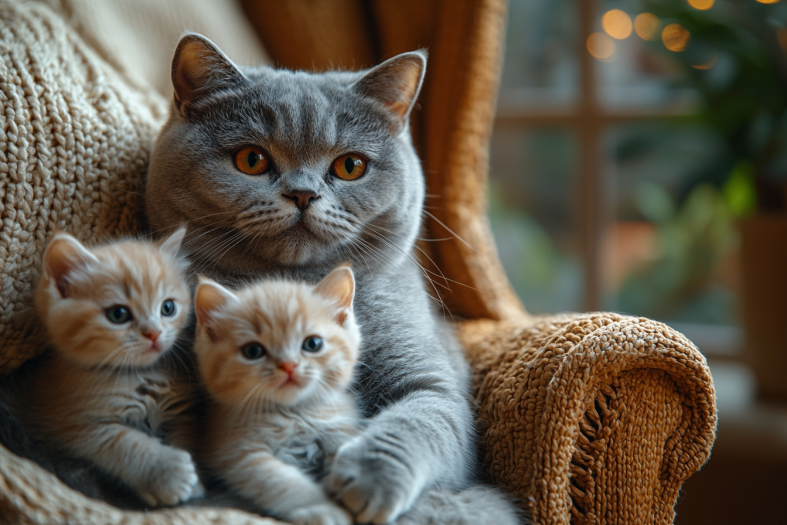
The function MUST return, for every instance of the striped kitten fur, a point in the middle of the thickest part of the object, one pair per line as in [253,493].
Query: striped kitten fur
[277,358]
[109,391]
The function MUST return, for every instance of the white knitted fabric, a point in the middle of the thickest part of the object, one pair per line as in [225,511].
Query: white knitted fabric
[74,146]
[138,37]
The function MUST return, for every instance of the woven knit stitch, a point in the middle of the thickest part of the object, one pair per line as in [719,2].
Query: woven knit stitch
[74,146]
[595,418]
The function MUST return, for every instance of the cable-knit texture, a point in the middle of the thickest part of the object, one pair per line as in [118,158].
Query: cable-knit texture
[74,146]
[592,418]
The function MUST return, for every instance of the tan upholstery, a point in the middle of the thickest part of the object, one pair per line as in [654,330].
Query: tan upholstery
[594,418]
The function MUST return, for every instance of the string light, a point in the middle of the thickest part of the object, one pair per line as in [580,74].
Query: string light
[601,47]
[616,23]
[647,26]
[702,5]
[675,37]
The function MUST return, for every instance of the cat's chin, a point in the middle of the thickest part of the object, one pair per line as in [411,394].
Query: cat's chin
[298,246]
[292,394]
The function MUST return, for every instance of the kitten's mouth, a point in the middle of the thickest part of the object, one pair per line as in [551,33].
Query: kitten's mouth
[289,381]
[153,348]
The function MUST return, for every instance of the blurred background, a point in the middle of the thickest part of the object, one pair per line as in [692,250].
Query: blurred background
[639,165]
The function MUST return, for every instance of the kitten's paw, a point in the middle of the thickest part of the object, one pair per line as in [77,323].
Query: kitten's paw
[375,485]
[172,479]
[321,514]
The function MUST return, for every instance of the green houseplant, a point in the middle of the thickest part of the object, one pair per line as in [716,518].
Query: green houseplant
[736,60]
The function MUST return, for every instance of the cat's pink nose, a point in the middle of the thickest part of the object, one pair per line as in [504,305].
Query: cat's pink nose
[288,367]
[152,335]
[301,198]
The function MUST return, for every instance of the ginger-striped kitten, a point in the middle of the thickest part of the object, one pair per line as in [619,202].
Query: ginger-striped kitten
[277,358]
[110,391]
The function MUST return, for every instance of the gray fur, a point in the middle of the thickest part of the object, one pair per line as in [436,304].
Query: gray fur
[412,381]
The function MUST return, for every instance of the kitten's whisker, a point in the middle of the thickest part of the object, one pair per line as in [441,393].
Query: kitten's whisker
[183,223]
[230,244]
[210,247]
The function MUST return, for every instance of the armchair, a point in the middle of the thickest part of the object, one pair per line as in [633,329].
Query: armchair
[587,418]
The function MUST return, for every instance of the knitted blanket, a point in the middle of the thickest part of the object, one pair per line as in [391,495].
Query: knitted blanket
[74,146]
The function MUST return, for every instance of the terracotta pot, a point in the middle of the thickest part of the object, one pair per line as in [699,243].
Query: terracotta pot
[764,301]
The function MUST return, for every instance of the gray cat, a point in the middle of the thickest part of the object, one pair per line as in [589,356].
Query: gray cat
[288,173]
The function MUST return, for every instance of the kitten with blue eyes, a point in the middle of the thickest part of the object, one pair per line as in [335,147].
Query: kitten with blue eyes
[277,358]
[110,389]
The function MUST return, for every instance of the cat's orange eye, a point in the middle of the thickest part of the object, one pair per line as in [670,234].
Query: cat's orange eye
[251,160]
[349,167]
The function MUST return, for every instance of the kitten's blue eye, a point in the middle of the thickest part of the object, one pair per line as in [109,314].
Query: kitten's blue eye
[312,344]
[253,351]
[168,308]
[118,314]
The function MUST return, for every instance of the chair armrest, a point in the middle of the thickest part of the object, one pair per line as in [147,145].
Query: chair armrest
[595,418]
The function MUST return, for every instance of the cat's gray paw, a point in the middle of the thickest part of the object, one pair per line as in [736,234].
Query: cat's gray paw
[375,485]
[172,479]
[321,514]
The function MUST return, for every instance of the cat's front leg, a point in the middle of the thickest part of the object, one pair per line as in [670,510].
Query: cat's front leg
[158,473]
[415,443]
[284,491]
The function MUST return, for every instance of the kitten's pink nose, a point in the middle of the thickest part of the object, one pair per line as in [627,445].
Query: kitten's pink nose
[301,198]
[152,335]
[288,367]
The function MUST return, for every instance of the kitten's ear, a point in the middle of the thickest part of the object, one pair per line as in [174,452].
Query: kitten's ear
[209,298]
[200,68]
[171,245]
[64,255]
[339,287]
[395,84]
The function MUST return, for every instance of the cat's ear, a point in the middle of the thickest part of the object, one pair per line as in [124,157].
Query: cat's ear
[339,288]
[64,255]
[171,245]
[209,298]
[395,84]
[199,68]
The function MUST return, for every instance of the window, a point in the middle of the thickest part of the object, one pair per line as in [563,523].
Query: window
[603,193]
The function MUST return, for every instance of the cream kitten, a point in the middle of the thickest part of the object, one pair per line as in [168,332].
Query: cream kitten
[277,358]
[107,392]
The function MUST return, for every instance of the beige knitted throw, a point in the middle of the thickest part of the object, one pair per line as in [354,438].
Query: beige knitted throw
[73,152]
[595,418]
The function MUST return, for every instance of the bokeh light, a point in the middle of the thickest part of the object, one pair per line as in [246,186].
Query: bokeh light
[781,35]
[601,46]
[767,1]
[616,23]
[707,65]
[675,37]
[702,5]
[647,26]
